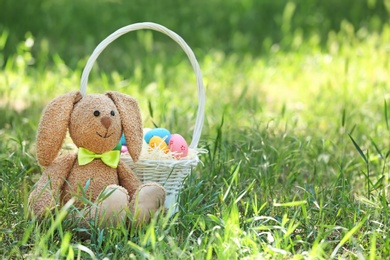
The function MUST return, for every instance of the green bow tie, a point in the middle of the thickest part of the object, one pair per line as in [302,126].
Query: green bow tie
[110,158]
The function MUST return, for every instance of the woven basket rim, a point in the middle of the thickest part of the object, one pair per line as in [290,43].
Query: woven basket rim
[165,162]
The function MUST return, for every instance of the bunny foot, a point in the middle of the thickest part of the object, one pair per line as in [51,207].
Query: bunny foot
[148,199]
[112,210]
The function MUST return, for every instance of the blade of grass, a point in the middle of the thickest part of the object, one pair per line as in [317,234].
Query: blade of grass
[218,139]
[291,204]
[386,116]
[373,247]
[343,118]
[358,149]
[85,249]
[150,107]
[348,236]
[57,222]
[377,149]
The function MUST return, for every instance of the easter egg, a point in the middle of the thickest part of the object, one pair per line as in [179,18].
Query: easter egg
[158,142]
[160,132]
[178,145]
[123,140]
[124,149]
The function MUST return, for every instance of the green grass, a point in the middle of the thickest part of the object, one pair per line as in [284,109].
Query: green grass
[298,148]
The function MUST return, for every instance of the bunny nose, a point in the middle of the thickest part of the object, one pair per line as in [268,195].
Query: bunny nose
[106,121]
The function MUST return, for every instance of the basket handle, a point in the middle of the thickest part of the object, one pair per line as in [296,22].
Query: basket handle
[177,39]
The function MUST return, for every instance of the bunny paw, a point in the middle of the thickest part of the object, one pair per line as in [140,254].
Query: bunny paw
[149,198]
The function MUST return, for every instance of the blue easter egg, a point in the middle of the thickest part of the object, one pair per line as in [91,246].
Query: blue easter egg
[160,132]
[123,140]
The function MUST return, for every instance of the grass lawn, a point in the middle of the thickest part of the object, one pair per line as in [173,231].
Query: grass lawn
[297,164]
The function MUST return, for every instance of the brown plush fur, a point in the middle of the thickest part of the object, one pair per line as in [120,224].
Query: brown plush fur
[98,132]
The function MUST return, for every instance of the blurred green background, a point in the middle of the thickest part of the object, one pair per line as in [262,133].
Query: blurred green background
[72,29]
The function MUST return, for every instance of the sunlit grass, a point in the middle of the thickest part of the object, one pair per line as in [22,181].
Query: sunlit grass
[282,177]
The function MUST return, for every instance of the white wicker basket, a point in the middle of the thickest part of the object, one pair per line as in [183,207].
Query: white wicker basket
[169,173]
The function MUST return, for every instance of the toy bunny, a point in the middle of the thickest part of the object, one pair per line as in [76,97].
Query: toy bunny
[95,123]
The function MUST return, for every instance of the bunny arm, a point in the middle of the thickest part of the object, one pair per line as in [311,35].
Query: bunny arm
[127,178]
[49,186]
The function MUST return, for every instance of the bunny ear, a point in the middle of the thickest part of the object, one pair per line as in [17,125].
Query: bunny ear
[53,125]
[131,121]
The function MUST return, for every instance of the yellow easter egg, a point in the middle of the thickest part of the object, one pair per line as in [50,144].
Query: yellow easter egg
[158,142]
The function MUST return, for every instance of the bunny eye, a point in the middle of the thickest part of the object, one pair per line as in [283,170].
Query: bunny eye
[112,113]
[96,113]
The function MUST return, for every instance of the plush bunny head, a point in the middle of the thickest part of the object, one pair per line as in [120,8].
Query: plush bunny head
[96,122]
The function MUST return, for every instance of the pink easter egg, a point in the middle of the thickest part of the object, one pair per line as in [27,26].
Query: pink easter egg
[178,145]
[124,149]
